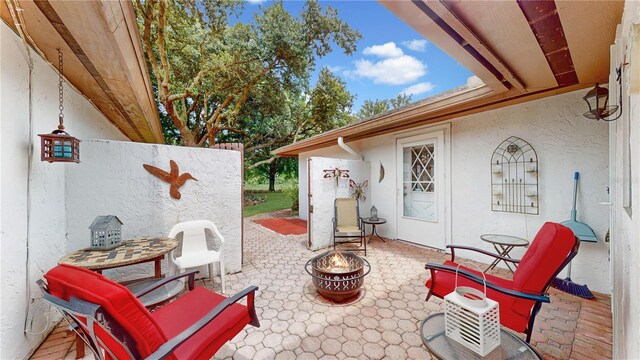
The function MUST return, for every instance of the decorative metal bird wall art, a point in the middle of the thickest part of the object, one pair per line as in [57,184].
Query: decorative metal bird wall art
[358,191]
[173,178]
[335,173]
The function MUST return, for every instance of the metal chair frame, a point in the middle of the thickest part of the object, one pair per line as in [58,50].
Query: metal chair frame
[76,310]
[542,297]
[361,236]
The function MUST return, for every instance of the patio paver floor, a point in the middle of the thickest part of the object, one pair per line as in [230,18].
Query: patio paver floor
[296,323]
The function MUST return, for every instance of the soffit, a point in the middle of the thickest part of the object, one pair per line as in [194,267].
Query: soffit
[590,29]
[504,29]
[102,58]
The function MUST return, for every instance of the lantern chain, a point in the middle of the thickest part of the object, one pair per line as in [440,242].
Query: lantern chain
[60,90]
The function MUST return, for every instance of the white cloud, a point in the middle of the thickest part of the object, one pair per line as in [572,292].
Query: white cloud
[388,50]
[335,69]
[418,88]
[418,45]
[256,1]
[394,71]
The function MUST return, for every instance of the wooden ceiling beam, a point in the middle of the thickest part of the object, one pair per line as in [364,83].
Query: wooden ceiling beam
[473,44]
[545,24]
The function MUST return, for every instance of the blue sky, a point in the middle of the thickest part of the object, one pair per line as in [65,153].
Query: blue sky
[391,57]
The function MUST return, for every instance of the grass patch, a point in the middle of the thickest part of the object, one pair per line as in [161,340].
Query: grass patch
[261,187]
[275,201]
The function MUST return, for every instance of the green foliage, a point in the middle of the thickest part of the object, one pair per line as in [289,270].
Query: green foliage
[214,79]
[292,191]
[371,108]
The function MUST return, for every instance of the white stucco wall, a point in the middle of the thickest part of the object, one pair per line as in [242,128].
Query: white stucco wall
[47,186]
[325,191]
[626,230]
[565,142]
[111,181]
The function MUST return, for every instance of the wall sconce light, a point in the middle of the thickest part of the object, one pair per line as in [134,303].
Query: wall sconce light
[597,100]
[59,146]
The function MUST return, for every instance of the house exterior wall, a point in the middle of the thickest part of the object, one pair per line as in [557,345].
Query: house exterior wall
[46,215]
[565,142]
[625,234]
[112,181]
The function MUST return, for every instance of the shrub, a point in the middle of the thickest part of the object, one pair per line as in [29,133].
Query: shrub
[292,191]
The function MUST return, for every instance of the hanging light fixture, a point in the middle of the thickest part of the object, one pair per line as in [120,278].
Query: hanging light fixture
[597,99]
[59,146]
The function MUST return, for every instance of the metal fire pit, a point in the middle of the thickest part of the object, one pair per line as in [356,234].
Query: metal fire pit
[338,275]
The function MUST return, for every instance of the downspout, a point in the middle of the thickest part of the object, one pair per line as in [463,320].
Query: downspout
[348,149]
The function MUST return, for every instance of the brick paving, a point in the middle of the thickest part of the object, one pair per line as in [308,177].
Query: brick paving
[296,323]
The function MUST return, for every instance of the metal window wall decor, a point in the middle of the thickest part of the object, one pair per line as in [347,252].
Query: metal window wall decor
[514,177]
[59,146]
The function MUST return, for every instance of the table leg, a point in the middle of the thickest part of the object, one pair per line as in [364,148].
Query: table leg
[79,343]
[503,251]
[375,232]
[157,267]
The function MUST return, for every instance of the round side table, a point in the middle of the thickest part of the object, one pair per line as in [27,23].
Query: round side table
[373,223]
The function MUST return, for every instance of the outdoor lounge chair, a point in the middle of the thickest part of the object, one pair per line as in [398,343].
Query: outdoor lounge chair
[115,324]
[520,299]
[347,224]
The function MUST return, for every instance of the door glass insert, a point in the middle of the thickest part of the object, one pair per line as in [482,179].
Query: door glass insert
[419,181]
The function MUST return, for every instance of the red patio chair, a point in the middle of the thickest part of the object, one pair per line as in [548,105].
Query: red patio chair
[520,299]
[115,324]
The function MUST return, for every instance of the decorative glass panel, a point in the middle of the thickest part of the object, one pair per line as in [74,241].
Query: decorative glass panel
[419,182]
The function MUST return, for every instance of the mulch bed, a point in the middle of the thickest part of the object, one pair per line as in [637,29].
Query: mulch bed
[284,226]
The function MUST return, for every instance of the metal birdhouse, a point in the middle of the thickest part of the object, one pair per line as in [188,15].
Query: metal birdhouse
[106,232]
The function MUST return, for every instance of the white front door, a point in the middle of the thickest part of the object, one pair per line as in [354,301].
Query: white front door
[422,189]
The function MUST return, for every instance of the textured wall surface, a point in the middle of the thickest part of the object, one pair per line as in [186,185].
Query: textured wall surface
[46,217]
[324,192]
[625,240]
[565,142]
[112,181]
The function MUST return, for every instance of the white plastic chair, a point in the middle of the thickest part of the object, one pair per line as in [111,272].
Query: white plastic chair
[194,247]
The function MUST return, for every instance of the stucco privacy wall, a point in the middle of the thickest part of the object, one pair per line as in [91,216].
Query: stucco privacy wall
[47,216]
[111,181]
[324,191]
[565,142]
[625,237]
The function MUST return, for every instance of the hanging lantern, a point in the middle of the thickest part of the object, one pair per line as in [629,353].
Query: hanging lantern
[59,146]
[597,99]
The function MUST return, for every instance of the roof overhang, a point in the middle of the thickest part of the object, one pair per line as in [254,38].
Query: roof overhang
[521,50]
[102,55]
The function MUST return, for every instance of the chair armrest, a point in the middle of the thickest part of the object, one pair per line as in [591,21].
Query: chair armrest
[167,348]
[479,280]
[453,256]
[150,288]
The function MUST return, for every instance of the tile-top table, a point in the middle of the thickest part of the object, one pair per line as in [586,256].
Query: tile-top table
[134,251]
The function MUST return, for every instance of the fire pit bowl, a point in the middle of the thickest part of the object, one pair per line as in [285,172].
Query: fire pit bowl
[338,275]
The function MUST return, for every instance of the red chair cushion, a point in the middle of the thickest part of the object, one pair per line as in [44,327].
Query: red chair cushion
[546,254]
[65,281]
[445,284]
[184,312]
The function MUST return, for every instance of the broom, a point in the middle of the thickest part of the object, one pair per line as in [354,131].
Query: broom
[583,232]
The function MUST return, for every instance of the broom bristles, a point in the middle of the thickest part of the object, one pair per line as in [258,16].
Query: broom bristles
[568,286]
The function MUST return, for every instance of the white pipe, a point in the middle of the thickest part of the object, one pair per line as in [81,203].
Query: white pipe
[348,149]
